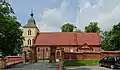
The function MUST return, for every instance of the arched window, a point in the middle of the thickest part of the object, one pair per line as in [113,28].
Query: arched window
[29,32]
[46,49]
[38,49]
[58,54]
[29,42]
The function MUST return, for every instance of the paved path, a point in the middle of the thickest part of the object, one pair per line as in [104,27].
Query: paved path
[35,66]
[44,65]
[89,68]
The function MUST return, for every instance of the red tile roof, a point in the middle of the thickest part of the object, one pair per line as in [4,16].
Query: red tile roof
[66,38]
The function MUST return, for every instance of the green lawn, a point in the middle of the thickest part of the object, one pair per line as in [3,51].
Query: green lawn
[81,62]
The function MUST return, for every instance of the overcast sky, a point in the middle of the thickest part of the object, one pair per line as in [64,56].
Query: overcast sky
[51,14]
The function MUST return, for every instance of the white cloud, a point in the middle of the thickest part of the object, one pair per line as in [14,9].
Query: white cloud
[107,20]
[106,12]
[88,14]
[52,19]
[87,5]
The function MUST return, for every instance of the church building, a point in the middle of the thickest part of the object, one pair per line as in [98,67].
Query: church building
[70,42]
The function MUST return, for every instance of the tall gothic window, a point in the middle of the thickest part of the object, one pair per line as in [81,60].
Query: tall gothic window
[29,32]
[29,42]
[38,49]
[46,49]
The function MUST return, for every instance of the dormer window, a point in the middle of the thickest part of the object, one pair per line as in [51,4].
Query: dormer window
[29,42]
[29,32]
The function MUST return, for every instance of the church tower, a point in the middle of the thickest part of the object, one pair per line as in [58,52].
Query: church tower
[30,30]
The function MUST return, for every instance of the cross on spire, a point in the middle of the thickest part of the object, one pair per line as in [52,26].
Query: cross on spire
[31,13]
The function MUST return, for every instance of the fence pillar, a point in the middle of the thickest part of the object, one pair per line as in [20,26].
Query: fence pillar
[101,55]
[2,63]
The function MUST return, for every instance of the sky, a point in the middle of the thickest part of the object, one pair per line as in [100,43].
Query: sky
[50,15]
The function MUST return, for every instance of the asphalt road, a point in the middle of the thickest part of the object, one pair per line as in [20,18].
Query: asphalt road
[42,65]
[90,68]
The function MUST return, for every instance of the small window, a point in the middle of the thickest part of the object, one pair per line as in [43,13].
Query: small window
[71,50]
[29,42]
[93,50]
[38,49]
[29,32]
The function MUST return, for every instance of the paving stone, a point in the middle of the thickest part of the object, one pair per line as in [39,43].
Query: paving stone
[41,65]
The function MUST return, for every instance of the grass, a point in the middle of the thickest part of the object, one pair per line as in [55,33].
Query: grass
[81,62]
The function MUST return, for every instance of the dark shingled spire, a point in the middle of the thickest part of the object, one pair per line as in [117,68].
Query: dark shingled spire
[31,22]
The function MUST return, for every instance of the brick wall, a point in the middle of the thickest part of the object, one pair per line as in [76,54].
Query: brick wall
[95,49]
[90,55]
[43,52]
[10,60]
[13,60]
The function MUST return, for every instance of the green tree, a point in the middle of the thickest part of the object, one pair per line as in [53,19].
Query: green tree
[92,27]
[115,38]
[11,38]
[106,37]
[77,30]
[111,40]
[68,27]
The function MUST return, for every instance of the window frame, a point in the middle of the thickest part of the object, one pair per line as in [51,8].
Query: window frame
[46,49]
[38,49]
[29,42]
[29,32]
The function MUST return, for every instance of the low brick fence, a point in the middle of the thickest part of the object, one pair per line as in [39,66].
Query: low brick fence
[90,55]
[10,60]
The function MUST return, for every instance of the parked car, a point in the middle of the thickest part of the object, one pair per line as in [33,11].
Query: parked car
[110,61]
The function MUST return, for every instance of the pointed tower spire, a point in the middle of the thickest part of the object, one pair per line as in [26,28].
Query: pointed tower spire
[31,22]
